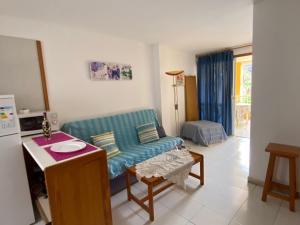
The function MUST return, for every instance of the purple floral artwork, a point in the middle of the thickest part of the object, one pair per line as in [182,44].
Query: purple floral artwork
[110,71]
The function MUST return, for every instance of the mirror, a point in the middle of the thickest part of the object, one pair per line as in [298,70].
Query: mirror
[22,73]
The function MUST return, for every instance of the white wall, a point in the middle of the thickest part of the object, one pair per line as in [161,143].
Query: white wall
[67,52]
[157,83]
[172,59]
[276,82]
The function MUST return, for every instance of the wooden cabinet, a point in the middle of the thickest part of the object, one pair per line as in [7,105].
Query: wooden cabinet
[191,99]
[77,189]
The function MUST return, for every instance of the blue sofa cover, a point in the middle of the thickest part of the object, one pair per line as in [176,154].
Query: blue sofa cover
[124,127]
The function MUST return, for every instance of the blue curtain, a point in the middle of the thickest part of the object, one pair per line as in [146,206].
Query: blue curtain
[215,80]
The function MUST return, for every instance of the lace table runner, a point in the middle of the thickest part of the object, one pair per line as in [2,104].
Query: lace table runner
[174,166]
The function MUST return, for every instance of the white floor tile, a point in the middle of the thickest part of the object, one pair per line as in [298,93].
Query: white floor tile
[123,215]
[255,211]
[209,217]
[118,199]
[189,223]
[169,219]
[186,207]
[286,217]
[234,223]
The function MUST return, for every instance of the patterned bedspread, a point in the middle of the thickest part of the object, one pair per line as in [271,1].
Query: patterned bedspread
[203,132]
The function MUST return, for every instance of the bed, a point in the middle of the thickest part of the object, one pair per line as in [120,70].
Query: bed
[203,132]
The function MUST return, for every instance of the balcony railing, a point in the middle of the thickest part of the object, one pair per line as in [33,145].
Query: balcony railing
[245,99]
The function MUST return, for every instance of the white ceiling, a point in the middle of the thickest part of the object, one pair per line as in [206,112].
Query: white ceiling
[193,25]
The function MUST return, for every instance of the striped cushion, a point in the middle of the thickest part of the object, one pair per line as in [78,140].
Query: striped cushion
[147,133]
[107,142]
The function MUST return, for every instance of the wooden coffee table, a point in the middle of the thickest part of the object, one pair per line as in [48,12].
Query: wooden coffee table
[154,181]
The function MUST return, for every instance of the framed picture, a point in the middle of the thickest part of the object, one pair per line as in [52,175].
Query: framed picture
[110,71]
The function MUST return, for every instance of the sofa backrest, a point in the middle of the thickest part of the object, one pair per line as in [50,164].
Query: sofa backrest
[123,125]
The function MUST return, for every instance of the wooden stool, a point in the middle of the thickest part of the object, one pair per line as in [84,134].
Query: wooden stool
[291,153]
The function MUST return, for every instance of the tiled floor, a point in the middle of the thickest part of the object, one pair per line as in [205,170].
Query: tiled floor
[243,130]
[226,197]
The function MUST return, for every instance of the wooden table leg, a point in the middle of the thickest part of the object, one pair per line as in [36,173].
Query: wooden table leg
[128,186]
[202,170]
[199,159]
[150,195]
[269,176]
[292,177]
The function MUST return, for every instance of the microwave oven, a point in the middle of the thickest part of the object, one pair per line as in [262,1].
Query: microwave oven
[31,123]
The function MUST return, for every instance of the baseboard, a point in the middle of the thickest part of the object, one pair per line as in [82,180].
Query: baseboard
[255,181]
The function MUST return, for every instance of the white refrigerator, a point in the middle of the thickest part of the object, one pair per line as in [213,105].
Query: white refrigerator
[15,201]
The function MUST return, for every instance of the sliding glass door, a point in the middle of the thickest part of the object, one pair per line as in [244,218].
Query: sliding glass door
[242,96]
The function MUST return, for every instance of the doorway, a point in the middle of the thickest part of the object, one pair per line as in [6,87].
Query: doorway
[242,96]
